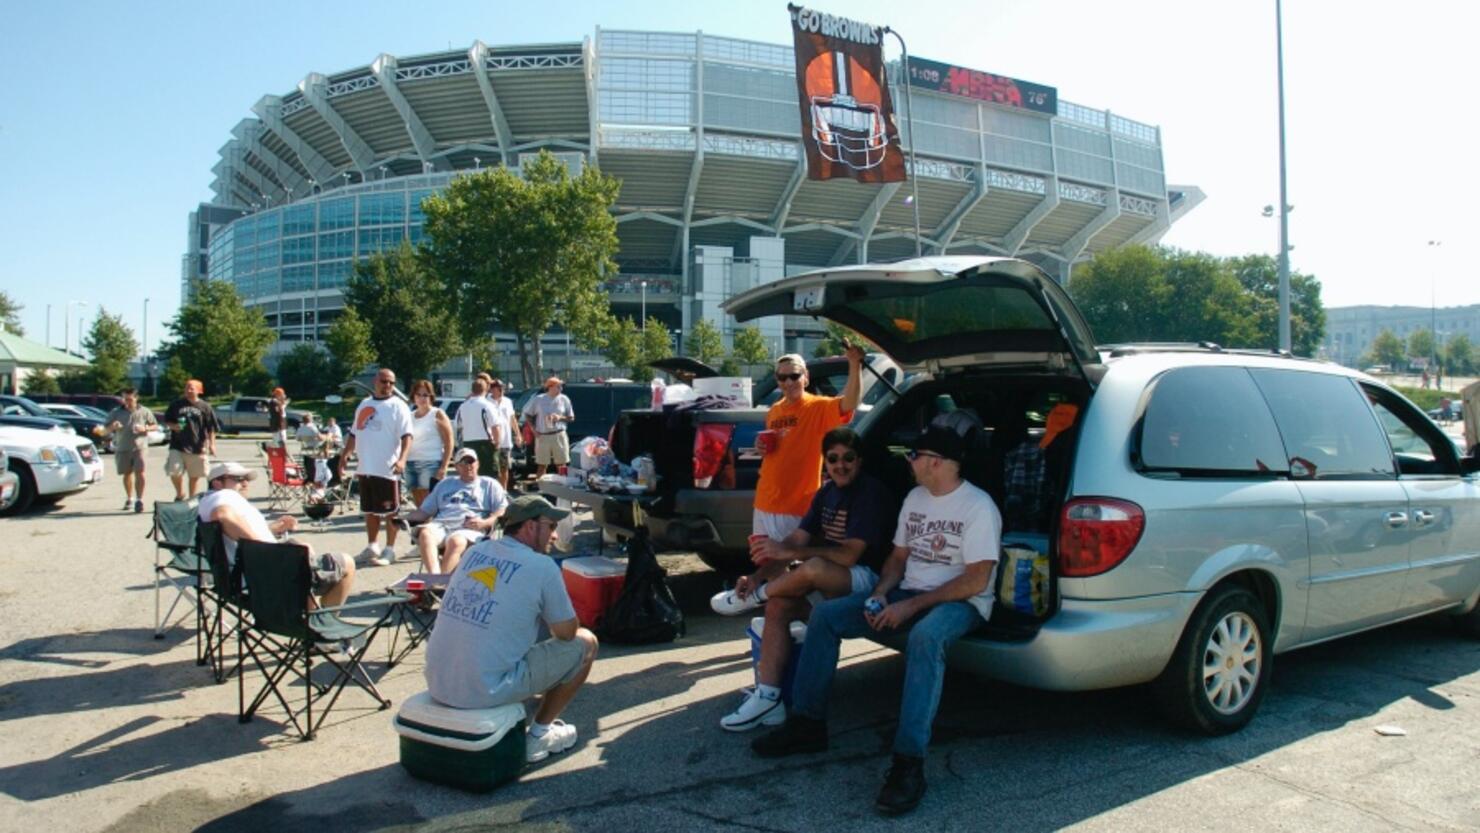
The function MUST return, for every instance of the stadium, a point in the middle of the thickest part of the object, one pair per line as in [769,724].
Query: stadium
[703,133]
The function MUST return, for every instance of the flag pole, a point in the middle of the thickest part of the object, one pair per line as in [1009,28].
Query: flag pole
[909,119]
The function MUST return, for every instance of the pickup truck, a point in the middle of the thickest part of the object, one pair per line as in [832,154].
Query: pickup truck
[707,465]
[48,466]
[249,413]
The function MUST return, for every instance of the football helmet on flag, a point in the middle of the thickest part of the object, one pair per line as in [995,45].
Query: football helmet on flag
[847,109]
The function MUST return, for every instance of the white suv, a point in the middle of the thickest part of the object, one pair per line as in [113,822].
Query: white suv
[48,466]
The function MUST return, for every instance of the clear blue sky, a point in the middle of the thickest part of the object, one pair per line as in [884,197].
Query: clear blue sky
[111,115]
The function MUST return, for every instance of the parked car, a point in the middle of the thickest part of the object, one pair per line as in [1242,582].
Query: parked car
[19,420]
[104,402]
[90,427]
[597,406]
[249,413]
[10,484]
[48,466]
[1204,516]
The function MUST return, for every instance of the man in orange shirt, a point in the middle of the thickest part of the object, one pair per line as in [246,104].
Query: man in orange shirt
[791,468]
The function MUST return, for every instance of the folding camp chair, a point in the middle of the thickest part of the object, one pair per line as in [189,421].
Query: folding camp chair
[229,600]
[284,634]
[285,481]
[184,570]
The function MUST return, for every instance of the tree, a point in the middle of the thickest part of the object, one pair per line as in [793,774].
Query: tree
[835,340]
[1259,275]
[10,314]
[521,255]
[111,344]
[1122,294]
[172,380]
[1421,346]
[1387,349]
[624,346]
[349,346]
[306,372]
[750,346]
[217,339]
[41,381]
[1459,354]
[706,343]
[411,330]
[653,344]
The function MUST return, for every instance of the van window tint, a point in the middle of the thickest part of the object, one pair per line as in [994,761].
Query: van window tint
[1326,422]
[1417,445]
[587,402]
[1208,422]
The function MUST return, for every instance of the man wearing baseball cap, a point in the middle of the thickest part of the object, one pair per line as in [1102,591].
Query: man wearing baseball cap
[458,511]
[486,651]
[936,584]
[550,411]
[226,504]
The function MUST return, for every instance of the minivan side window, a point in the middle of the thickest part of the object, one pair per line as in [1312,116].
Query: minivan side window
[1419,448]
[1327,424]
[1208,422]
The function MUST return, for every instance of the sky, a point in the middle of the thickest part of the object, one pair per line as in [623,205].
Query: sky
[111,116]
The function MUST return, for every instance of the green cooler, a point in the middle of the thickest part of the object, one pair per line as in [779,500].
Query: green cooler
[471,749]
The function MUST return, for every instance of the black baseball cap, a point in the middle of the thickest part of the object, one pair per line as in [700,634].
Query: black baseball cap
[951,435]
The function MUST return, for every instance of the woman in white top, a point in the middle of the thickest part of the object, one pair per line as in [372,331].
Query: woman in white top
[431,442]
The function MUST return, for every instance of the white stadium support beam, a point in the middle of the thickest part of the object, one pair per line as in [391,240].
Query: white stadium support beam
[866,224]
[1076,244]
[1013,242]
[734,219]
[952,223]
[1158,226]
[649,215]
[269,109]
[783,205]
[384,68]
[249,132]
[501,130]
[312,86]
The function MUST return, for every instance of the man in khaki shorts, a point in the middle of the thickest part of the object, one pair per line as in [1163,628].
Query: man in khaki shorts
[193,428]
[130,425]
[486,652]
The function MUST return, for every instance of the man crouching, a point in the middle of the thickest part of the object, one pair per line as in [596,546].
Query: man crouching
[486,650]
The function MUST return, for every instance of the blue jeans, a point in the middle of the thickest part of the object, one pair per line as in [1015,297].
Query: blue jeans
[925,660]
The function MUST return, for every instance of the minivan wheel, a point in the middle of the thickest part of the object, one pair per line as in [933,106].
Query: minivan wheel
[25,492]
[1468,623]
[1220,669]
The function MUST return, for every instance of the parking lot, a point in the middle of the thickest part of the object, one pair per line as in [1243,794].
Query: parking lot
[107,728]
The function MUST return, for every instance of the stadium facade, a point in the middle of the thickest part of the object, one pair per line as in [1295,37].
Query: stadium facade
[701,130]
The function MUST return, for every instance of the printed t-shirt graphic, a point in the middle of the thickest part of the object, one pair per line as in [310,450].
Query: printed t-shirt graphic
[792,472]
[864,511]
[943,534]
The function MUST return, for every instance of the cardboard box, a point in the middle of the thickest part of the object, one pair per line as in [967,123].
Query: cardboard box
[734,388]
[594,582]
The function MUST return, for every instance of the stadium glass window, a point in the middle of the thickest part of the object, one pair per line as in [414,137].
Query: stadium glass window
[333,275]
[415,213]
[1327,423]
[382,209]
[267,282]
[269,226]
[336,214]
[336,244]
[246,232]
[298,220]
[1207,422]
[298,279]
[298,250]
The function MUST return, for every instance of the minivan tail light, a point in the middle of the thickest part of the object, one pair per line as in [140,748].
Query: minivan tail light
[711,445]
[1096,534]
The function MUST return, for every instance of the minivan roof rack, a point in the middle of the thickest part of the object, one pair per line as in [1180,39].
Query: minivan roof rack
[1137,348]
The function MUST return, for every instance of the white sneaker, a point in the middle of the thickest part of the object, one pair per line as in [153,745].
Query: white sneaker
[387,555]
[560,737]
[754,711]
[371,554]
[729,603]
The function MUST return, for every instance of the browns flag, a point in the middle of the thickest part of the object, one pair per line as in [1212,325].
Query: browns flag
[848,127]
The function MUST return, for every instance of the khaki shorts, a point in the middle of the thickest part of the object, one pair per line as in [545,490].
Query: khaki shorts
[184,463]
[552,449]
[546,665]
[435,533]
[128,462]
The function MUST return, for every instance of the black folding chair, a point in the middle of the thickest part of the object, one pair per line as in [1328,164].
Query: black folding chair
[182,569]
[284,635]
[229,600]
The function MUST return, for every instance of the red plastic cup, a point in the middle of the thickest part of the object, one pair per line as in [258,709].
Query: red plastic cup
[415,587]
[765,441]
[757,539]
[562,470]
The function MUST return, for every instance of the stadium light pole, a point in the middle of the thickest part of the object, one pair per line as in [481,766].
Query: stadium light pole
[144,342]
[1279,40]
[1434,306]
[909,120]
[48,325]
[67,326]
[643,284]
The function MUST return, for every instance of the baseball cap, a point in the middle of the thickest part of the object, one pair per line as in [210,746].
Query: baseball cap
[950,435]
[529,507]
[464,454]
[230,469]
[1060,419]
[793,358]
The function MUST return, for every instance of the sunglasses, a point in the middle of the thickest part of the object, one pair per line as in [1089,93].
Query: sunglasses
[912,455]
[788,377]
[845,457]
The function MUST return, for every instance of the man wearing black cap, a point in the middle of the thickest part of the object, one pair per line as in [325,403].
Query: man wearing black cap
[936,584]
[486,649]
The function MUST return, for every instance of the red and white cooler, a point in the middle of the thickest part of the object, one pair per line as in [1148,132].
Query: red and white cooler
[594,582]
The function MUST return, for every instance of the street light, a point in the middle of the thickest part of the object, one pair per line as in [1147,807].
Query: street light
[477,164]
[1434,306]
[67,326]
[144,344]
[1279,38]
[643,284]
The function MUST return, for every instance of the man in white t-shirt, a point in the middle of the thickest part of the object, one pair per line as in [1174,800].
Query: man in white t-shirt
[550,411]
[478,424]
[458,511]
[509,437]
[226,504]
[381,438]
[936,584]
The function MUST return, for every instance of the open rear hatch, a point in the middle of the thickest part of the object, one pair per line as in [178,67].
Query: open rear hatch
[939,313]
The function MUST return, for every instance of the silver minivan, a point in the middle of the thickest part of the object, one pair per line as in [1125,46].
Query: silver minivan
[1208,509]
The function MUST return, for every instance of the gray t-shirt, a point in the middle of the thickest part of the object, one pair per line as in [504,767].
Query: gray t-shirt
[543,409]
[491,614]
[127,438]
[453,501]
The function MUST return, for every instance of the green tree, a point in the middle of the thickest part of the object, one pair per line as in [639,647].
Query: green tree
[1421,345]
[10,314]
[1387,349]
[523,254]
[75,380]
[653,344]
[750,346]
[41,381]
[1459,354]
[217,339]
[398,296]
[623,346]
[835,340]
[172,380]
[705,342]
[306,372]
[111,344]
[730,367]
[1259,275]
[1123,294]
[349,346]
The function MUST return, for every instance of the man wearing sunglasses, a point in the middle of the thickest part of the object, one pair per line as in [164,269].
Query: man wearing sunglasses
[837,550]
[936,584]
[791,445]
[381,437]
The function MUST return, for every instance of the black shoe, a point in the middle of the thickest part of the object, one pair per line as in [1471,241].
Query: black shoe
[797,736]
[904,786]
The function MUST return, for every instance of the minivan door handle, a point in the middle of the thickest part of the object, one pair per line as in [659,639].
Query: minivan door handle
[1396,520]
[1423,517]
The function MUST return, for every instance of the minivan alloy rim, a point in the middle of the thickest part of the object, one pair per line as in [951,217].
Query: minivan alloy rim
[1231,663]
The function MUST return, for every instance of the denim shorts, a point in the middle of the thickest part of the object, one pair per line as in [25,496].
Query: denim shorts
[420,473]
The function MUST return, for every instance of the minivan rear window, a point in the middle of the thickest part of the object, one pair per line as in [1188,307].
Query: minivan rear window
[1208,422]
[955,311]
[1326,423]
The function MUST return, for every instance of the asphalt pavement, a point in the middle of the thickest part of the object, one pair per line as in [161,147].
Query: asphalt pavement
[107,728]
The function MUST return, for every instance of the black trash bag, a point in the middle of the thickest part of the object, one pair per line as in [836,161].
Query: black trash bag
[646,612]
